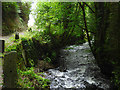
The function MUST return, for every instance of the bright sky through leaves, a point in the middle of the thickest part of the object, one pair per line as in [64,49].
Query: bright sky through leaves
[31,18]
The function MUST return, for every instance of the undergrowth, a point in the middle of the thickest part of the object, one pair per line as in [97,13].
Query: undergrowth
[30,79]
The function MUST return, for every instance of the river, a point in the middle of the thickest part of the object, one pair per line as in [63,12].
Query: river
[78,70]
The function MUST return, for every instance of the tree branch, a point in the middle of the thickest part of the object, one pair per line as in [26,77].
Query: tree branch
[85,23]
[85,29]
[81,27]
[89,7]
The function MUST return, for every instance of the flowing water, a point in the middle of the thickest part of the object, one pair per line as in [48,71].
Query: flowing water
[78,70]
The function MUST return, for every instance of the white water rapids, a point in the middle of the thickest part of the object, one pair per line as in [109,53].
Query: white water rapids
[78,70]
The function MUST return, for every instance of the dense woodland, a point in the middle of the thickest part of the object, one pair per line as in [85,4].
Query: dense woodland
[60,24]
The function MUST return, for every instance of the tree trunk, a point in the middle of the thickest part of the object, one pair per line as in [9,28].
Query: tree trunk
[86,28]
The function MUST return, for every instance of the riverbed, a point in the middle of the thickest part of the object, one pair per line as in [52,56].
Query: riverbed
[78,70]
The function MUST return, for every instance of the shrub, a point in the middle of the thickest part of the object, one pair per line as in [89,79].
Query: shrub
[30,79]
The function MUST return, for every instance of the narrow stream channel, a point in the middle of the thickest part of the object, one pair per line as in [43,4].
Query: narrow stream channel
[78,70]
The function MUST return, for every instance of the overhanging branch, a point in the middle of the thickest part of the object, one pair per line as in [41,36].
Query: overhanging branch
[89,7]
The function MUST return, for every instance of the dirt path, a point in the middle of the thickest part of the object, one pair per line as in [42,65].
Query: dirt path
[6,38]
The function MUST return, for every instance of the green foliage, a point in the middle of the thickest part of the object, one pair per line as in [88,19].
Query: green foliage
[47,59]
[45,13]
[10,10]
[24,10]
[60,21]
[9,15]
[12,19]
[62,24]
[31,49]
[12,46]
[30,79]
[54,54]
[42,37]
[116,78]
